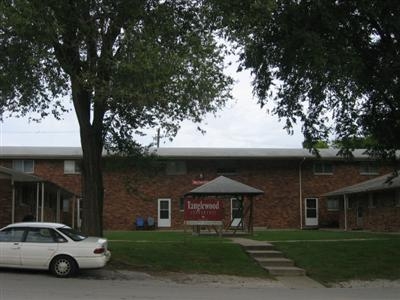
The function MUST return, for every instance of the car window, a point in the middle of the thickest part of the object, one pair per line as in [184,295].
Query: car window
[58,237]
[72,234]
[39,235]
[12,235]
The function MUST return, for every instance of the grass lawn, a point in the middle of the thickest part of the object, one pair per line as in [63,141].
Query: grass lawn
[177,252]
[315,235]
[334,256]
[327,256]
[330,262]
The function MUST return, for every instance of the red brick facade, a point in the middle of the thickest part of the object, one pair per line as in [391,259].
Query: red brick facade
[134,191]
[5,201]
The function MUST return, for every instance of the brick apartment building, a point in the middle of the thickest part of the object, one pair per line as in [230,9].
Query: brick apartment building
[45,183]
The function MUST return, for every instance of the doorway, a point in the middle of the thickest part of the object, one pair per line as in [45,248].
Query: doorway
[164,213]
[236,211]
[311,208]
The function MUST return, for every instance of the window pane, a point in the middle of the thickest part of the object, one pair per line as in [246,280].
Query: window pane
[164,214]
[333,204]
[164,205]
[311,203]
[39,235]
[18,165]
[12,235]
[28,166]
[311,213]
[69,166]
[176,168]
[323,167]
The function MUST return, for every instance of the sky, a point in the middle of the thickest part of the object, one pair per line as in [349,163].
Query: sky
[241,124]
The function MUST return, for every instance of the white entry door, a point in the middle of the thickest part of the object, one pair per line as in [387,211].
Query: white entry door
[164,213]
[311,209]
[236,211]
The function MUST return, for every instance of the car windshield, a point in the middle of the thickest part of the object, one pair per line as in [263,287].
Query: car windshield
[72,234]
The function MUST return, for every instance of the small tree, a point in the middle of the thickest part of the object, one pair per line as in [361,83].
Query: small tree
[127,65]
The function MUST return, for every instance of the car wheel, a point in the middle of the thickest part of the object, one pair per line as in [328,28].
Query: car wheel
[63,266]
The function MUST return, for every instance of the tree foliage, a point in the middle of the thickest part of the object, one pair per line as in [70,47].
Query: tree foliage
[126,65]
[334,64]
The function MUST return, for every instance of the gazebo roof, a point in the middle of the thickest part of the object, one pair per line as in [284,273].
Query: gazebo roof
[224,186]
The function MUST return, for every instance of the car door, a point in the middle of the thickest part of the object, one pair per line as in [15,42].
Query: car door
[38,248]
[10,246]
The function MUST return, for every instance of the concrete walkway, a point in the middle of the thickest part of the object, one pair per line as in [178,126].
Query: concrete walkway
[293,282]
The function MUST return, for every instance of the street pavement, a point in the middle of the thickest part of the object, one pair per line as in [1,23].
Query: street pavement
[25,285]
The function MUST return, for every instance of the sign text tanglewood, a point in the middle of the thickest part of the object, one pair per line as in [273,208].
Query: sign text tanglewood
[204,210]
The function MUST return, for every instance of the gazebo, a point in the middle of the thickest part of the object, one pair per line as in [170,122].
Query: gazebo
[223,187]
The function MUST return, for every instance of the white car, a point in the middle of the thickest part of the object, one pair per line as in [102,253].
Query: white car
[51,246]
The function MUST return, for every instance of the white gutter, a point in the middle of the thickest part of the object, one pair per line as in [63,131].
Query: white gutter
[13,202]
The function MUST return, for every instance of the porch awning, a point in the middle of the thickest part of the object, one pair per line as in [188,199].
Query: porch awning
[224,186]
[19,176]
[385,182]
[28,178]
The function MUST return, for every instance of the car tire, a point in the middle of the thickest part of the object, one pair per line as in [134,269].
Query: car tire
[63,266]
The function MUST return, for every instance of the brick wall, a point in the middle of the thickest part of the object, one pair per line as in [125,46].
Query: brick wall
[5,201]
[134,191]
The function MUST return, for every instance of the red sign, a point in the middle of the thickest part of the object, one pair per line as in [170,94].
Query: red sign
[204,210]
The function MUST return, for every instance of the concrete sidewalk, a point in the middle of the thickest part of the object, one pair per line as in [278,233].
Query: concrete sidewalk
[293,282]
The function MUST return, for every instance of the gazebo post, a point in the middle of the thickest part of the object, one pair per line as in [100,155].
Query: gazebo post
[251,223]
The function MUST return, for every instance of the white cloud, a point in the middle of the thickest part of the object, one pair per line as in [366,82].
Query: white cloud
[241,123]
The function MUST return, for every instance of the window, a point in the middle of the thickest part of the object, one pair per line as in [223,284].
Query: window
[176,168]
[227,167]
[182,204]
[368,168]
[39,235]
[23,165]
[323,168]
[372,201]
[397,195]
[72,167]
[65,207]
[12,235]
[332,204]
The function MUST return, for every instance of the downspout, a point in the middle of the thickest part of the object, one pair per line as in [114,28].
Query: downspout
[345,200]
[13,202]
[37,200]
[301,192]
[42,208]
[58,214]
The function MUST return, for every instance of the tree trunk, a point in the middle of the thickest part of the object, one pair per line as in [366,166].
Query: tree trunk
[92,189]
[92,147]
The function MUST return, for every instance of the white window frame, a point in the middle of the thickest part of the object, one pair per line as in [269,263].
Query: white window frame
[323,165]
[337,205]
[73,167]
[368,168]
[23,164]
[176,167]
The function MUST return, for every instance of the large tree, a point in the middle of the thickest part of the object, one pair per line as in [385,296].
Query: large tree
[126,65]
[333,65]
